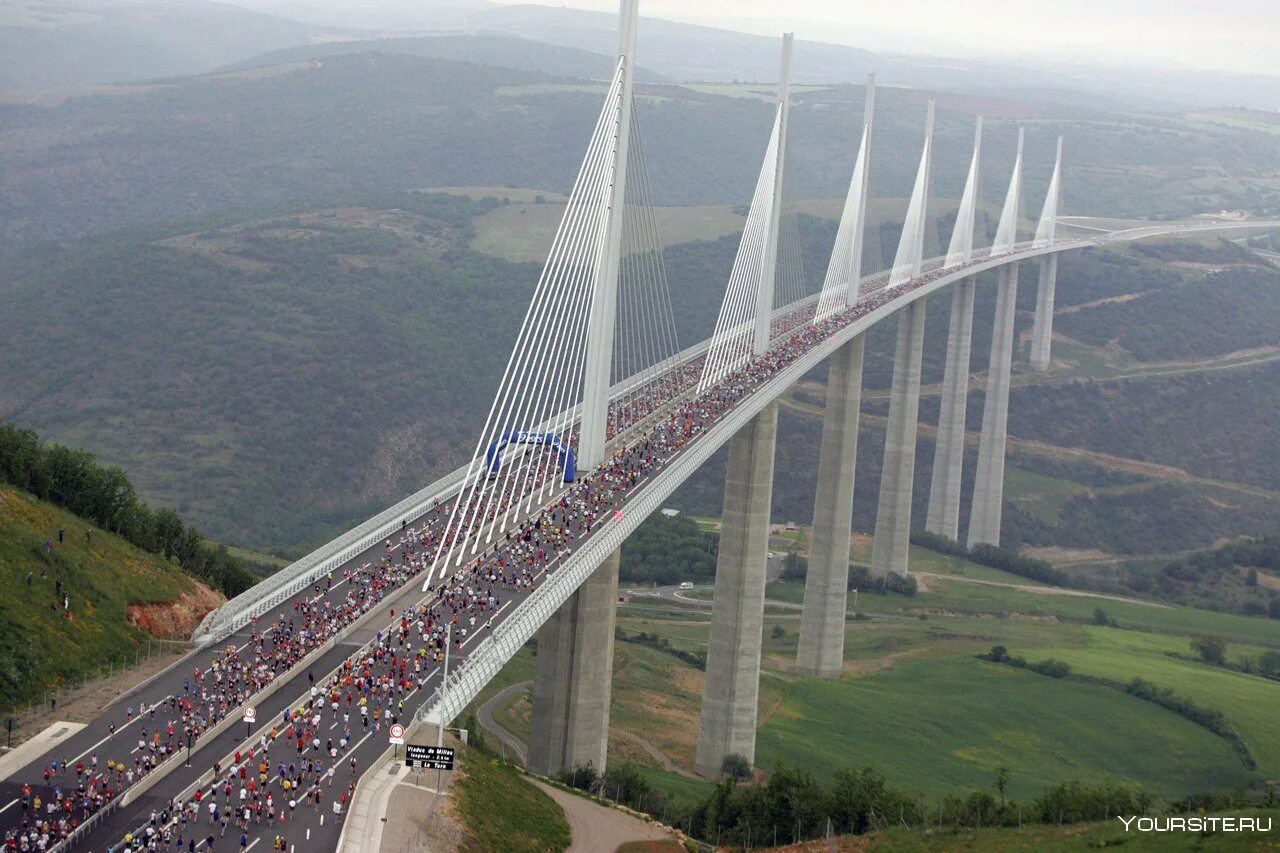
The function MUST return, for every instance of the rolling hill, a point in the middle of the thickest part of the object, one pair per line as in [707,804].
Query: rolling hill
[371,121]
[71,44]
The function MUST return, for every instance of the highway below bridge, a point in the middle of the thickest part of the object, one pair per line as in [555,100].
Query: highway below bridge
[117,736]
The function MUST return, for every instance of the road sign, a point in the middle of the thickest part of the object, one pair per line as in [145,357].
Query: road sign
[397,733]
[428,757]
[250,713]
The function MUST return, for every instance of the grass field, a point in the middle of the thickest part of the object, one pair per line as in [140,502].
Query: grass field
[522,231]
[948,725]
[1251,704]
[1043,497]
[1130,614]
[684,792]
[102,575]
[528,819]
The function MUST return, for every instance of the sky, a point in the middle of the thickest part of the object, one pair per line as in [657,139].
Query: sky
[1229,35]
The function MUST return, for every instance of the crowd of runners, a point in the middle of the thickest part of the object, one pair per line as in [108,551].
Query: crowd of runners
[370,689]
[72,790]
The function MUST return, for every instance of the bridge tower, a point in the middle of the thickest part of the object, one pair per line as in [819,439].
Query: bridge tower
[574,675]
[826,591]
[1046,232]
[988,487]
[893,513]
[731,690]
[948,454]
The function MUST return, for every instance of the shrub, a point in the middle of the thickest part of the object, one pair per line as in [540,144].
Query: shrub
[735,766]
[1052,667]
[861,578]
[1212,650]
[1076,802]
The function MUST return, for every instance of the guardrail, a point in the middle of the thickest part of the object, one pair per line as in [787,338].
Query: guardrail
[289,581]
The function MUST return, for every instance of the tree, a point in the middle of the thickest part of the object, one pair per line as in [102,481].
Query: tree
[1002,782]
[794,567]
[736,766]
[1251,579]
[1270,663]
[778,632]
[1212,650]
[999,654]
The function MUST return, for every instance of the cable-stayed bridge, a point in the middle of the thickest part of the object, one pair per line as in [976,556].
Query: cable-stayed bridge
[599,416]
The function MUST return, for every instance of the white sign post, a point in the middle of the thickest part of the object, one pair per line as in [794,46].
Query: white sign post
[250,714]
[397,736]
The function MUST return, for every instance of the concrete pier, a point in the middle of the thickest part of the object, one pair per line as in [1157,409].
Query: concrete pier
[893,514]
[573,678]
[948,455]
[732,686]
[1042,331]
[826,587]
[988,486]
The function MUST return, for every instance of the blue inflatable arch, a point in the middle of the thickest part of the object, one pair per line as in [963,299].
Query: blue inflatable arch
[493,456]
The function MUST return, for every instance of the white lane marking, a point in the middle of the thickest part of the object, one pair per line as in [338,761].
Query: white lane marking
[10,805]
[480,631]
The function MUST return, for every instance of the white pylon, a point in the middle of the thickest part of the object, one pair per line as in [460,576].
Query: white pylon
[1046,231]
[908,260]
[960,250]
[1007,231]
[844,272]
[768,272]
[592,438]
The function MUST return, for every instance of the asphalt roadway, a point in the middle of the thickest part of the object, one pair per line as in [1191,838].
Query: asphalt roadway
[97,739]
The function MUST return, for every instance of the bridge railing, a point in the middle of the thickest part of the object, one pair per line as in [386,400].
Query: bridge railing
[289,581]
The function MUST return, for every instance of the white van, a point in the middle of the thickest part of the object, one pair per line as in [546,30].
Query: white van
[686,584]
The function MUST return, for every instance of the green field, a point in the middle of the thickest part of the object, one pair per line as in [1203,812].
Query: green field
[684,791]
[947,726]
[1044,497]
[522,231]
[1252,704]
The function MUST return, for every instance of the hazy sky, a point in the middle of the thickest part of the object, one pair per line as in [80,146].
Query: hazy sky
[1235,35]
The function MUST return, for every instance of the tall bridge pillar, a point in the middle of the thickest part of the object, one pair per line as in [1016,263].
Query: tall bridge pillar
[948,455]
[893,514]
[732,686]
[826,588]
[988,486]
[1042,331]
[573,678]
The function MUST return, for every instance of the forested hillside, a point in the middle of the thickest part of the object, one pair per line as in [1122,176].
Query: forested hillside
[386,120]
[302,371]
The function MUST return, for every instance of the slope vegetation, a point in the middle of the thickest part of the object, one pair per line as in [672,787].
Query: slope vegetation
[45,553]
